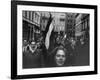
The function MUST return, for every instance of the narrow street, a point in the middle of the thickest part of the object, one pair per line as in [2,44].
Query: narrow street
[51,30]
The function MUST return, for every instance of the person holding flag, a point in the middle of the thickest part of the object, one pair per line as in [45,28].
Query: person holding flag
[48,41]
[48,32]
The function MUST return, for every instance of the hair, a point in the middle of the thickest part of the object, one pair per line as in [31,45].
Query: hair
[53,54]
[61,48]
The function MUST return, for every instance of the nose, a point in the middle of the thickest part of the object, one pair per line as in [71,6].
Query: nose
[61,57]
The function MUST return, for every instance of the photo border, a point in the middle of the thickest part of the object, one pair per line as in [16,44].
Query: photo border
[14,38]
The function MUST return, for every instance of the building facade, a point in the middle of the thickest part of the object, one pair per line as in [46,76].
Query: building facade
[44,20]
[85,26]
[31,24]
[82,26]
[58,20]
[70,25]
[78,25]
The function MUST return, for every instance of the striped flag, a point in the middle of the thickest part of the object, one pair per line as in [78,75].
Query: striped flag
[47,32]
[47,39]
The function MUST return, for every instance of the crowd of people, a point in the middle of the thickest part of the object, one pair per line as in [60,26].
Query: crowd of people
[60,48]
[57,55]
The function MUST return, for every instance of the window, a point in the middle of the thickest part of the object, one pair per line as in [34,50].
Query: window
[33,16]
[23,13]
[61,19]
[27,14]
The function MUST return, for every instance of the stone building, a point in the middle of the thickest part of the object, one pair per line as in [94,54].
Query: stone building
[31,24]
[70,24]
[58,20]
[82,26]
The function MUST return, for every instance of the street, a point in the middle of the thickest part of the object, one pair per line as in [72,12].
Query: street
[50,30]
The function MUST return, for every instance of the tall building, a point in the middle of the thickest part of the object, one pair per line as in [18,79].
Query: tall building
[58,20]
[70,24]
[78,25]
[31,24]
[44,20]
[82,25]
[85,25]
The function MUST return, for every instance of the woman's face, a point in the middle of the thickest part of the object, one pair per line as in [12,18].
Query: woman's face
[32,46]
[60,57]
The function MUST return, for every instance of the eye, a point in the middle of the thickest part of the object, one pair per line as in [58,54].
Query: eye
[63,55]
[58,55]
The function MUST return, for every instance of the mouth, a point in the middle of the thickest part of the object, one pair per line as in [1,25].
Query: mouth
[60,62]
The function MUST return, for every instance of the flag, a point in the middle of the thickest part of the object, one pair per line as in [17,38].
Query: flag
[47,39]
[48,31]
